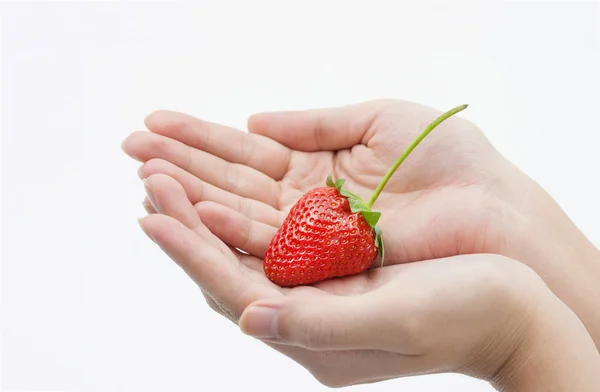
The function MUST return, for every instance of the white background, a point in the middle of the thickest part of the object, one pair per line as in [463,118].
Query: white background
[90,304]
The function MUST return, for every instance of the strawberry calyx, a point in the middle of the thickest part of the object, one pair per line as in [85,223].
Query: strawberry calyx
[358,205]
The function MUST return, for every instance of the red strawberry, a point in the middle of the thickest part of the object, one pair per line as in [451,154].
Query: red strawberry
[331,232]
[320,238]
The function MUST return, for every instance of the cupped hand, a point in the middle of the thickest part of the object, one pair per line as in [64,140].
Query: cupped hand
[448,198]
[463,314]
[455,194]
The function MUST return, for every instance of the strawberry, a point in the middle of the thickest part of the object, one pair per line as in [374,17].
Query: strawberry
[321,238]
[331,232]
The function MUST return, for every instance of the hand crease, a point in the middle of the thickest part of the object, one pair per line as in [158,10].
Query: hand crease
[188,164]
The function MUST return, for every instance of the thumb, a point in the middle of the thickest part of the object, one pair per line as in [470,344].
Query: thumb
[320,129]
[330,322]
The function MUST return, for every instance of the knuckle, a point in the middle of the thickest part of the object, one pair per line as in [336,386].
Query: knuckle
[307,337]
[248,239]
[244,206]
[232,178]
[204,130]
[162,145]
[246,149]
[315,335]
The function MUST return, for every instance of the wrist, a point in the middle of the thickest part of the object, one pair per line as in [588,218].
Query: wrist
[555,354]
[569,265]
[543,237]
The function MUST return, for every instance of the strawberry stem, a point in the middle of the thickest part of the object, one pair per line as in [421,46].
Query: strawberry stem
[410,148]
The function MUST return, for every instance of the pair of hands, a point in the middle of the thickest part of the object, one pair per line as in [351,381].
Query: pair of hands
[217,195]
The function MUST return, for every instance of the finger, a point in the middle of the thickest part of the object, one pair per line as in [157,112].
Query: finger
[232,177]
[258,152]
[236,229]
[204,263]
[338,323]
[148,206]
[168,197]
[253,263]
[320,129]
[198,190]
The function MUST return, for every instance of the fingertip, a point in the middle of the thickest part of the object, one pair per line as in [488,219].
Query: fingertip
[166,122]
[141,222]
[162,229]
[155,118]
[207,205]
[124,144]
[148,207]
[256,123]
[161,180]
[147,225]
[129,142]
[149,221]
[268,120]
[155,166]
[236,229]
[142,171]
[165,192]
[222,220]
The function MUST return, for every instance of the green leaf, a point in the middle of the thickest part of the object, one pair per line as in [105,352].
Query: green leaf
[339,183]
[379,243]
[357,205]
[348,194]
[329,181]
[371,217]
[378,231]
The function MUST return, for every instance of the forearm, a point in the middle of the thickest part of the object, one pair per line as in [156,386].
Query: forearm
[557,355]
[578,286]
[574,277]
[551,244]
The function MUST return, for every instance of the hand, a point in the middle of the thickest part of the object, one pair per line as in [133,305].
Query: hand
[455,194]
[481,315]
[436,205]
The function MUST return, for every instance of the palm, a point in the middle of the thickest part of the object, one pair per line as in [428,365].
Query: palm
[431,207]
[243,185]
[440,202]
[210,262]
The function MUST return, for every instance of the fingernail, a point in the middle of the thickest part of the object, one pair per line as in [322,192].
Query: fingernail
[144,230]
[123,143]
[148,207]
[150,193]
[260,322]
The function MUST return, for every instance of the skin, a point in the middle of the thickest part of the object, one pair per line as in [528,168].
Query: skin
[440,320]
[455,195]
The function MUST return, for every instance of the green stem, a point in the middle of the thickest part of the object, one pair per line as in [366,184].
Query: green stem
[410,148]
